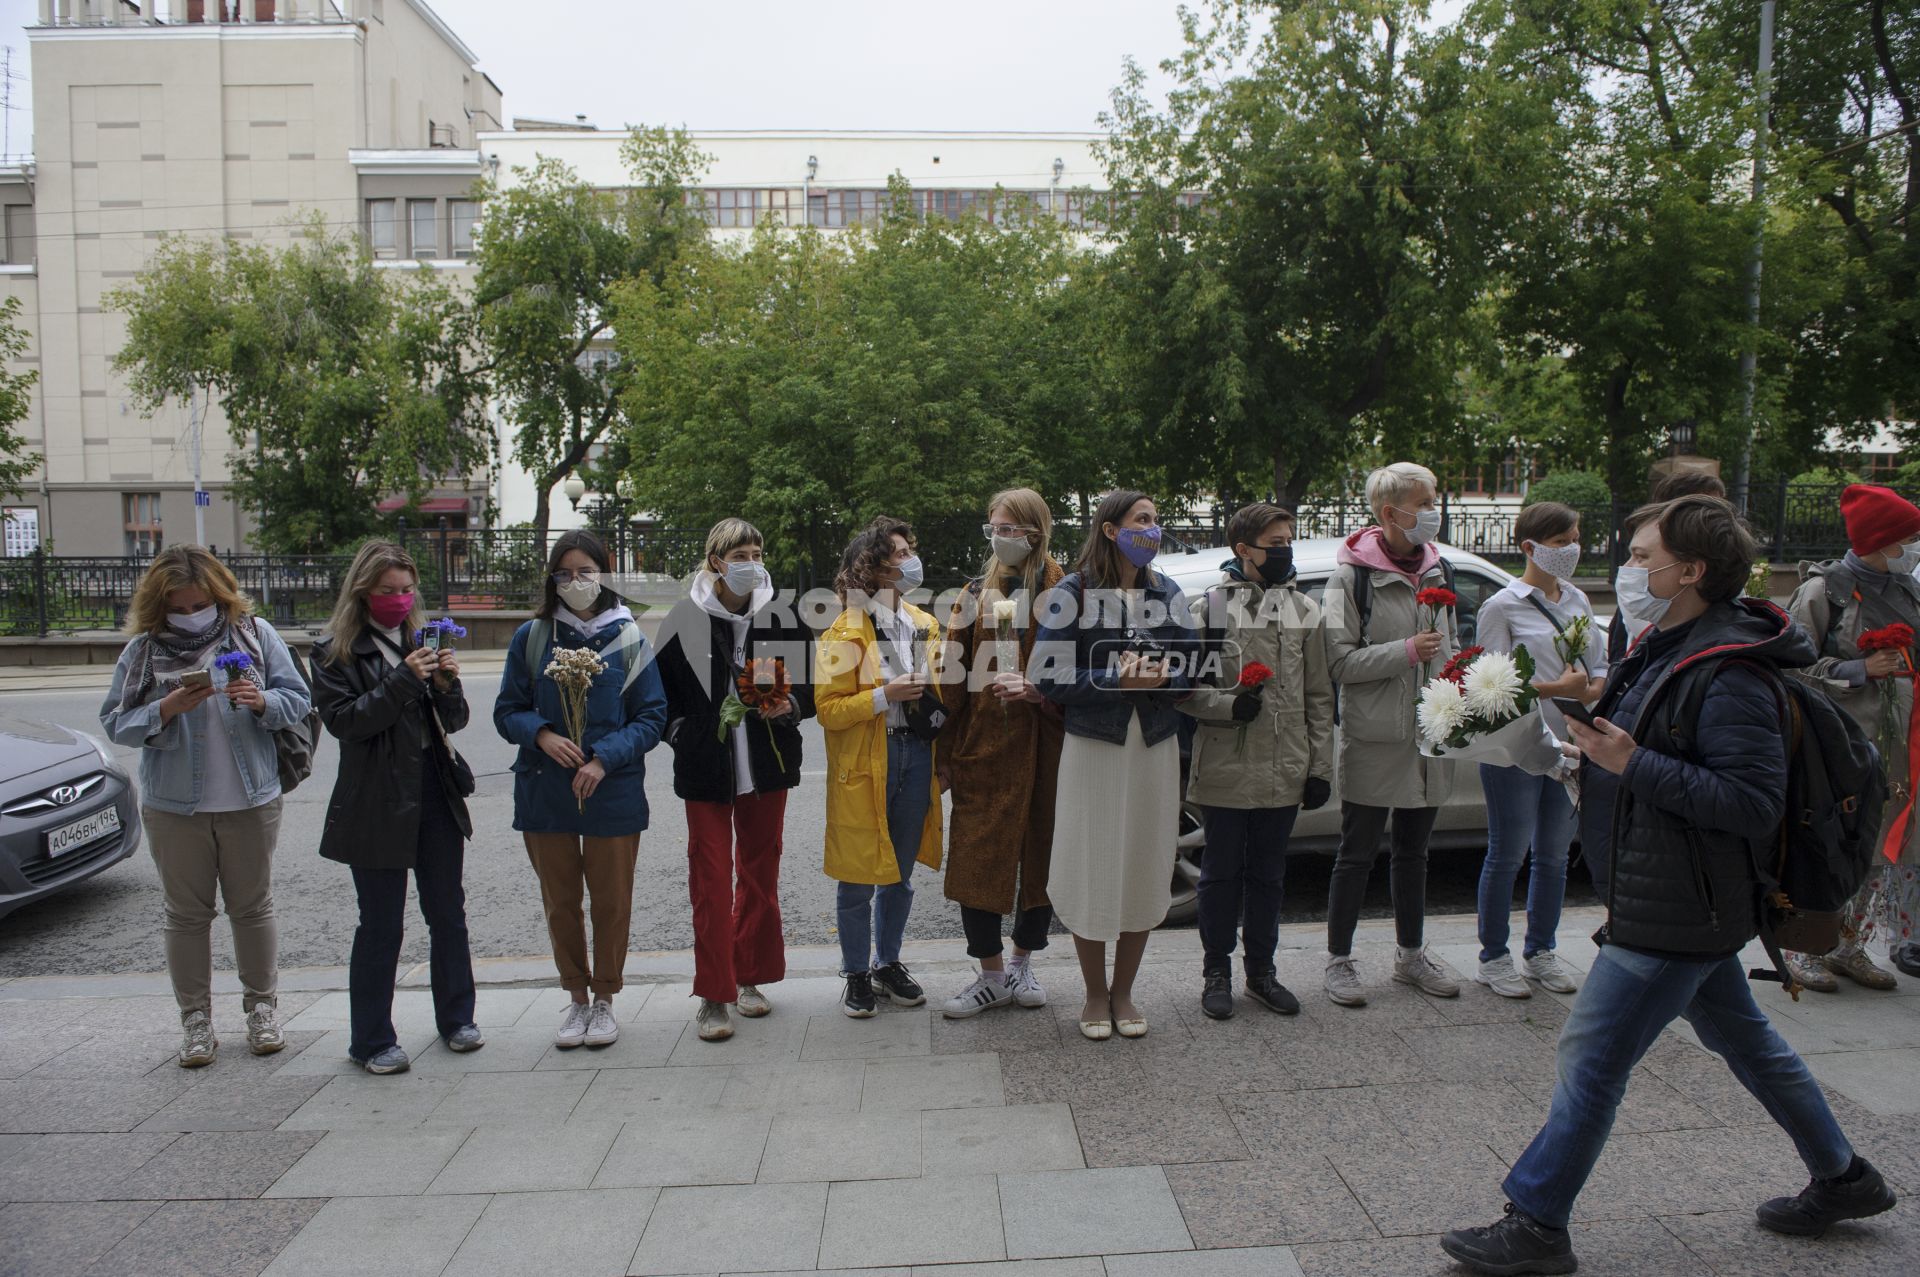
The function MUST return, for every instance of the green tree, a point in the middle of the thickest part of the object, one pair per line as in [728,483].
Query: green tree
[548,255]
[341,382]
[17,461]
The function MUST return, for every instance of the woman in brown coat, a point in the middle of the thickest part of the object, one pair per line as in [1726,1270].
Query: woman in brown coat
[1001,757]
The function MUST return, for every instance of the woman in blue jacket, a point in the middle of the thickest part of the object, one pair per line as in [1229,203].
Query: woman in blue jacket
[582,805]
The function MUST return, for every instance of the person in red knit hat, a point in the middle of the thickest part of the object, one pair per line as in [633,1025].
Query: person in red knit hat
[1839,602]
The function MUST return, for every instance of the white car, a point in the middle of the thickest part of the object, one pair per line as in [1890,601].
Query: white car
[1463,820]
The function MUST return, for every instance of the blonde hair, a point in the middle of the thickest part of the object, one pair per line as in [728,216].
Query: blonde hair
[350,615]
[729,535]
[1029,509]
[1390,484]
[180,567]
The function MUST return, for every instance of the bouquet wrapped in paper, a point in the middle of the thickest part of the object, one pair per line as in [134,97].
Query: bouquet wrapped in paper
[1484,708]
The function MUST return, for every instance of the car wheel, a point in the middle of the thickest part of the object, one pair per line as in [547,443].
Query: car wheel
[1186,868]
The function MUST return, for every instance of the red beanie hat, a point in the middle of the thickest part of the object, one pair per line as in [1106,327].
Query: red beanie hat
[1877,517]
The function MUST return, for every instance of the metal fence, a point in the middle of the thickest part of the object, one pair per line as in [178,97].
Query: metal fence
[490,569]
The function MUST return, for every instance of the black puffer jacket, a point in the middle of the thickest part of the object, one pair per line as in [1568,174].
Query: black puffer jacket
[1699,799]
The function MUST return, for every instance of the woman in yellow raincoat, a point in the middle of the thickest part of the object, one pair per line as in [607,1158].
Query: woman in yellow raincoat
[874,695]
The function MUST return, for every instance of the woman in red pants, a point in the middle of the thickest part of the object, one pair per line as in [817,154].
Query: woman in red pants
[734,771]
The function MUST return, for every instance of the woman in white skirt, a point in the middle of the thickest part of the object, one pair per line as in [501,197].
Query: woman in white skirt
[1107,650]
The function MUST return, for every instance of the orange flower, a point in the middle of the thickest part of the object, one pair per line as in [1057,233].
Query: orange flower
[762,683]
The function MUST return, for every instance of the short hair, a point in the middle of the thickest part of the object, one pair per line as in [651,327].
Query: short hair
[1392,483]
[1686,483]
[729,535]
[180,567]
[1544,519]
[1249,521]
[1707,530]
[868,555]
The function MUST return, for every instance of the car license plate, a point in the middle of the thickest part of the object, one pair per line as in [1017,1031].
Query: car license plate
[83,831]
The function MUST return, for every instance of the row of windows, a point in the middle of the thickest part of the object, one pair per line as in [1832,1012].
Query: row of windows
[424,228]
[745,207]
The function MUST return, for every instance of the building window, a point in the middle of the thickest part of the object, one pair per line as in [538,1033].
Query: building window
[1879,467]
[463,213]
[952,205]
[734,208]
[142,511]
[784,205]
[423,228]
[837,210]
[22,530]
[19,246]
[382,231]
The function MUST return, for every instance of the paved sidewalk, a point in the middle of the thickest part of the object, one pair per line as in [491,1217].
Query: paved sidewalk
[1336,1142]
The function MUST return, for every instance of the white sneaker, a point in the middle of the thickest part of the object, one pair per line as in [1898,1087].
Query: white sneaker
[573,1026]
[1025,985]
[1500,976]
[987,991]
[712,1022]
[752,1003]
[602,1028]
[198,1044]
[1417,968]
[263,1030]
[1546,969]
[1343,982]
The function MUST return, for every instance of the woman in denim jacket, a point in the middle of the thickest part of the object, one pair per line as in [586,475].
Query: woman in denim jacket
[200,688]
[1110,649]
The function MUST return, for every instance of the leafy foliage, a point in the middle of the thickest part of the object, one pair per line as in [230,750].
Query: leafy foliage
[1581,489]
[17,461]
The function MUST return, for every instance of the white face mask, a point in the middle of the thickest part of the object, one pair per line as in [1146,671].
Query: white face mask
[1907,560]
[911,573]
[1012,551]
[1426,525]
[1637,600]
[194,622]
[1557,560]
[744,578]
[580,595]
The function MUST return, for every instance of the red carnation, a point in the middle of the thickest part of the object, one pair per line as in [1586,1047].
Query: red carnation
[1897,637]
[1436,597]
[1252,674]
[1455,670]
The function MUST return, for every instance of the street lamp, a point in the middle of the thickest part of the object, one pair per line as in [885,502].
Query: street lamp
[1684,433]
[573,489]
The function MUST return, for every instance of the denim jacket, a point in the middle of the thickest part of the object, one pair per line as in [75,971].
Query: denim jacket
[1073,656]
[172,757]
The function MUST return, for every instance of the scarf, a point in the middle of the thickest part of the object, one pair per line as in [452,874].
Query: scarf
[167,656]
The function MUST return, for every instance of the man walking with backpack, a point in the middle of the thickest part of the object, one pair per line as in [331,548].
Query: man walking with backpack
[1676,805]
[1855,608]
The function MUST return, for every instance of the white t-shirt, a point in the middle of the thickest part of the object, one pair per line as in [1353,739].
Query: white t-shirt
[1509,619]
[221,787]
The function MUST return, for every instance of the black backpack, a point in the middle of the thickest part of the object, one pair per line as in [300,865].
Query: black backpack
[293,745]
[1827,841]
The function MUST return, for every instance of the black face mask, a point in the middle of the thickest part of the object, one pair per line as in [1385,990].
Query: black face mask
[1277,567]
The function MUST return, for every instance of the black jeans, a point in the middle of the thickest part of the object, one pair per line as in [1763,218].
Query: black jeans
[1242,879]
[983,930]
[1360,830]
[438,862]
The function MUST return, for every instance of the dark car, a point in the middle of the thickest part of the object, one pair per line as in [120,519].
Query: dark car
[67,810]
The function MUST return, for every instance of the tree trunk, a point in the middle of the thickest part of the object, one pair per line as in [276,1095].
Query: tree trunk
[542,511]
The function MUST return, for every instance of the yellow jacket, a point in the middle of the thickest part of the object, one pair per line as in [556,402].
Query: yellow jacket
[847,669]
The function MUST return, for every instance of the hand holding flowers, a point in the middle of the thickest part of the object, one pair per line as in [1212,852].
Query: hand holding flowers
[243,681]
[573,670]
[1482,708]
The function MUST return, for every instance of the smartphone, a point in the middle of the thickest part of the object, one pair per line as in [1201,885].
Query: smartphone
[197,678]
[1573,709]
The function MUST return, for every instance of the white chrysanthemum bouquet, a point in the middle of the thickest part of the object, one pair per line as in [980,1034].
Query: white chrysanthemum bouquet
[1483,708]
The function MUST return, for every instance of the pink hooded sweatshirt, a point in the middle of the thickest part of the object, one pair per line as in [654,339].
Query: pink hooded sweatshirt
[1367,549]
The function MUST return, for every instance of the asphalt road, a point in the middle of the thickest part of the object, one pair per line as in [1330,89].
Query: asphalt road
[111,922]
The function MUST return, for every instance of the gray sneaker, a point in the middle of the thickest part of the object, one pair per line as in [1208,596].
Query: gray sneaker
[263,1030]
[1343,982]
[465,1038]
[1548,970]
[712,1022]
[199,1044]
[1417,968]
[391,1060]
[1501,976]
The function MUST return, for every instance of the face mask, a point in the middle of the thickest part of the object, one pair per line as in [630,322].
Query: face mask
[1557,560]
[1636,599]
[194,622]
[580,595]
[1012,551]
[1138,544]
[1277,567]
[744,578]
[1426,526]
[911,573]
[389,610]
[1907,560]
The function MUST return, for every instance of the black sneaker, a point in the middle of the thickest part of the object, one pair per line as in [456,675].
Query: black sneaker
[1271,994]
[858,999]
[893,981]
[1825,1202]
[1516,1244]
[1216,996]
[1907,958]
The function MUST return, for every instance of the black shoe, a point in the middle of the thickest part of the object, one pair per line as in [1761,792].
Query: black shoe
[893,981]
[1516,1244]
[1825,1202]
[1907,958]
[858,999]
[1216,996]
[1273,995]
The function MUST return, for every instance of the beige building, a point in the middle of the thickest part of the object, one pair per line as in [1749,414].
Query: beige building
[231,118]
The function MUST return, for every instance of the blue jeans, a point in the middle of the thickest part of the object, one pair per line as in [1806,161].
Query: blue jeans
[1242,877]
[874,919]
[1628,999]
[1523,810]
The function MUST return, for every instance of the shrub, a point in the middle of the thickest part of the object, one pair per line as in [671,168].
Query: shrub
[1581,489]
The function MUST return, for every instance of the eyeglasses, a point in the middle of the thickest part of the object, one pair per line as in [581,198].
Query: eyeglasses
[590,575]
[992,530]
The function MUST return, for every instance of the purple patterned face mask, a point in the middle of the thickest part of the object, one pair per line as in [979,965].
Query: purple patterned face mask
[1138,544]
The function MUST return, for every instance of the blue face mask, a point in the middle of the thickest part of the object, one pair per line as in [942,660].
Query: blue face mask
[1138,544]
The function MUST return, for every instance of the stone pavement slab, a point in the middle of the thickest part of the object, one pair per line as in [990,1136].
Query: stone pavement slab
[684,1147]
[370,1163]
[699,1229]
[65,1237]
[586,1232]
[216,1165]
[71,1168]
[206,1239]
[402,1236]
[1026,1137]
[842,1146]
[525,1159]
[1090,1212]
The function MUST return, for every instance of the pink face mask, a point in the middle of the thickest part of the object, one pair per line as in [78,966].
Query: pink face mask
[389,610]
